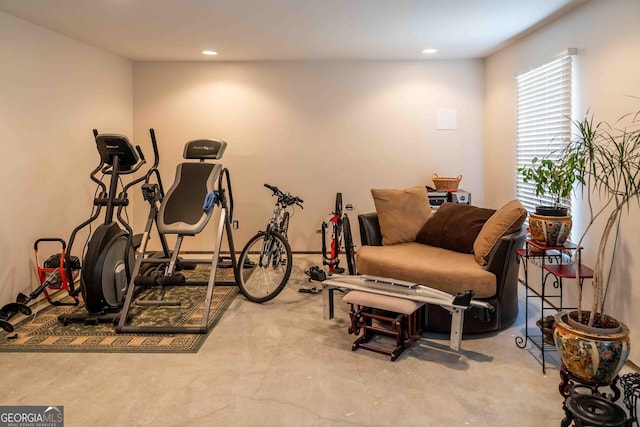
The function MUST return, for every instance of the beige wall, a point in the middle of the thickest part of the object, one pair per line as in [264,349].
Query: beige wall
[313,128]
[54,91]
[607,37]
[316,128]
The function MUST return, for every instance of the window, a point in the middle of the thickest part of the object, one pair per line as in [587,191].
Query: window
[544,119]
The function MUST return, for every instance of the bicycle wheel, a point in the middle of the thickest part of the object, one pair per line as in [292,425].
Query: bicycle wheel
[265,266]
[338,210]
[348,245]
[336,243]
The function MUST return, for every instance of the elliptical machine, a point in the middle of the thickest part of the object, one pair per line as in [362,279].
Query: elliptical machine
[109,257]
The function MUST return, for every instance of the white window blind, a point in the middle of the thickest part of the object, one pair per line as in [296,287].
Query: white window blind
[544,120]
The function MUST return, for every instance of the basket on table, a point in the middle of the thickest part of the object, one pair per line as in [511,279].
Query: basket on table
[445,184]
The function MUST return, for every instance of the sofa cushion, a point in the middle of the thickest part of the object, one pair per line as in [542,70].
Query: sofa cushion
[401,213]
[508,219]
[438,268]
[454,226]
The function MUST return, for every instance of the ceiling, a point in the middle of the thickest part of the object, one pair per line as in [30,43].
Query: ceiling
[246,30]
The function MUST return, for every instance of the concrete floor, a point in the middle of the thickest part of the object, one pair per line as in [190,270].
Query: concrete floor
[281,364]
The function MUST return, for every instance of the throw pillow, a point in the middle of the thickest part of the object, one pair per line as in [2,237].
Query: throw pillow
[454,226]
[401,213]
[508,219]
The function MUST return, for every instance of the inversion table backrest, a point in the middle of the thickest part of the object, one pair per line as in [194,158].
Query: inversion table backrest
[181,211]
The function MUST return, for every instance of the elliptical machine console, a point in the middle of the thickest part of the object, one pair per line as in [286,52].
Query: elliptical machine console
[109,256]
[111,146]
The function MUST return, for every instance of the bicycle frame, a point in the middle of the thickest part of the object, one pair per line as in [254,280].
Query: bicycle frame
[279,222]
[333,261]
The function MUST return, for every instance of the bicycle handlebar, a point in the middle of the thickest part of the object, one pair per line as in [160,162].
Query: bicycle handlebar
[275,190]
[285,198]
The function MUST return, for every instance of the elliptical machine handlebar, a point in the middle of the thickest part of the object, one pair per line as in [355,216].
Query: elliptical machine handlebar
[152,169]
[141,154]
[156,160]
[154,144]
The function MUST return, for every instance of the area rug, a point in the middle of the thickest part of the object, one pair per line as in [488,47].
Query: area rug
[42,332]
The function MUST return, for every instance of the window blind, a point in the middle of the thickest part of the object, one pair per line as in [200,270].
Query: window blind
[543,121]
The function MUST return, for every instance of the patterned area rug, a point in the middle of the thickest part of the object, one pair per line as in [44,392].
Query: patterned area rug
[42,332]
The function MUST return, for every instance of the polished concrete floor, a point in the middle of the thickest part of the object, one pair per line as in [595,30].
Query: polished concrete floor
[281,364]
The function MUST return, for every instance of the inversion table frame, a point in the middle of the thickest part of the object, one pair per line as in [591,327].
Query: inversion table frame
[182,213]
[455,304]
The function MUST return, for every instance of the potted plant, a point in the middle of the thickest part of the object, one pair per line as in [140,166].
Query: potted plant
[555,175]
[594,346]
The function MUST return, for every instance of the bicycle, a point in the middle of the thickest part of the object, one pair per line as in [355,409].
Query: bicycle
[341,229]
[266,260]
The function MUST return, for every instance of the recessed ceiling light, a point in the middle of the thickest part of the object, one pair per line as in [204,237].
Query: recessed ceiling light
[209,52]
[429,50]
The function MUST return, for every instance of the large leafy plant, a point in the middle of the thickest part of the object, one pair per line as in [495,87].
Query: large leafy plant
[606,163]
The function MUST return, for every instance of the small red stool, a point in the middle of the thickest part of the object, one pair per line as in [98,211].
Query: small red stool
[405,317]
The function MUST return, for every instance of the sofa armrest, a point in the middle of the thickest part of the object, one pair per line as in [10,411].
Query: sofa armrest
[503,262]
[370,234]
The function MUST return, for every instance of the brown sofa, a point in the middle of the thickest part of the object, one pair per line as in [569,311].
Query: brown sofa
[449,271]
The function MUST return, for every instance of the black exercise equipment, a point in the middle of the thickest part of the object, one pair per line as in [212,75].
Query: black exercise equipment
[109,257]
[184,211]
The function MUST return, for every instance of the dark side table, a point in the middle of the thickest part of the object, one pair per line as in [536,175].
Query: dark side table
[553,264]
[587,410]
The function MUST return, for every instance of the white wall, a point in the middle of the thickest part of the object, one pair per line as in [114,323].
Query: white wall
[54,92]
[316,128]
[607,37]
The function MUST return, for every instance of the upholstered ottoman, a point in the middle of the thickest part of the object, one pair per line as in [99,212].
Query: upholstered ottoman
[404,316]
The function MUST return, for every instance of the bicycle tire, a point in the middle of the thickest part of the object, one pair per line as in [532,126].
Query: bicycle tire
[348,245]
[338,210]
[261,283]
[336,243]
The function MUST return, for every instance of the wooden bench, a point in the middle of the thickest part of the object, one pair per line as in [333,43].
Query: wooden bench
[404,316]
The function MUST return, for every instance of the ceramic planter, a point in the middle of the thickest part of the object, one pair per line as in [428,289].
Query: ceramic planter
[550,230]
[591,357]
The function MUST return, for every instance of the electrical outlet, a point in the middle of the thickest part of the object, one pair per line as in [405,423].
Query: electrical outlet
[349,207]
[235,224]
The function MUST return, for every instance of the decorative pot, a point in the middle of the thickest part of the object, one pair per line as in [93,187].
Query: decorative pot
[550,230]
[591,357]
[547,324]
